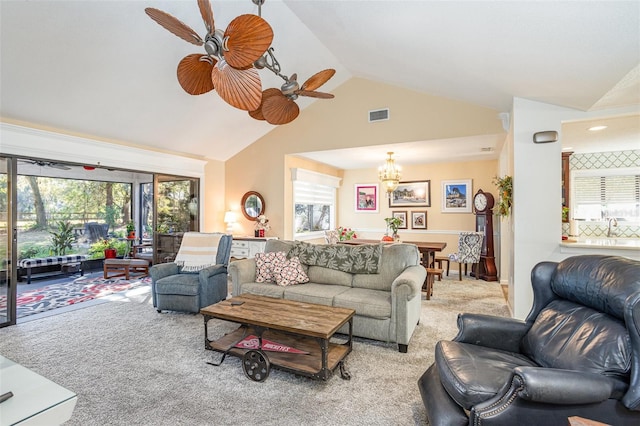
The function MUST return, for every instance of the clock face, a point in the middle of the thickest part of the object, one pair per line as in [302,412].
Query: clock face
[480,201]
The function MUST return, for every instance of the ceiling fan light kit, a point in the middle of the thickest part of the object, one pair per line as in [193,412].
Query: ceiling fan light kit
[231,62]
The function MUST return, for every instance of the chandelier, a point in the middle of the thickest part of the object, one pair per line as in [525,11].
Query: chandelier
[389,174]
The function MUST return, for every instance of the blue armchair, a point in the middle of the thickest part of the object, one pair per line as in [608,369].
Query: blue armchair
[175,287]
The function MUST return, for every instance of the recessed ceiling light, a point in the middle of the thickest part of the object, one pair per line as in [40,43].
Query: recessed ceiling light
[597,128]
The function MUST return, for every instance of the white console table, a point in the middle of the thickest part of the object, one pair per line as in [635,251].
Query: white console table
[35,401]
[247,247]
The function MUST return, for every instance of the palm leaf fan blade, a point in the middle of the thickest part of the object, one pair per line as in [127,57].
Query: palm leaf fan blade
[247,38]
[314,94]
[280,110]
[207,15]
[239,88]
[318,79]
[257,114]
[194,74]
[174,25]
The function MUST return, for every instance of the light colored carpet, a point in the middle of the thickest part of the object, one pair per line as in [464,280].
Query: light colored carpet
[130,365]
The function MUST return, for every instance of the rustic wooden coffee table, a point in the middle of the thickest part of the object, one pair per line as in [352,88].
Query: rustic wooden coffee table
[304,326]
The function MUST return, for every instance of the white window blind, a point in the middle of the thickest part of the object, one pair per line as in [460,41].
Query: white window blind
[607,189]
[314,199]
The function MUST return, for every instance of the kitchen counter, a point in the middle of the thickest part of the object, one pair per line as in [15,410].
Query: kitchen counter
[626,247]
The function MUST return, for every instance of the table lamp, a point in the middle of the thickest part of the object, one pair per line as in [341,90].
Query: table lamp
[229,219]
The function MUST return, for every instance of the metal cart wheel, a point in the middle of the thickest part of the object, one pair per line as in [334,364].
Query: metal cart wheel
[255,365]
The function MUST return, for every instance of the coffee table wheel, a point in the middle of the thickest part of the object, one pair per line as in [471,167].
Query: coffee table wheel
[255,365]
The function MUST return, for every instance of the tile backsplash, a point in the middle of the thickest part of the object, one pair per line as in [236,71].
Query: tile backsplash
[604,160]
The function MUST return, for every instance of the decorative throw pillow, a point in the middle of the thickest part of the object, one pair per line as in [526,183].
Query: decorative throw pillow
[291,272]
[360,259]
[266,263]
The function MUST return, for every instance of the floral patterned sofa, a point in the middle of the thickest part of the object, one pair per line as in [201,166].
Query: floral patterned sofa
[381,282]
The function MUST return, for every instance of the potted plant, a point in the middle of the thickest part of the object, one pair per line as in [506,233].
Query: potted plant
[505,189]
[107,247]
[62,239]
[392,224]
[131,230]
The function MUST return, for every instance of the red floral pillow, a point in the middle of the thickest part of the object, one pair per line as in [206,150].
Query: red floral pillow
[291,272]
[266,263]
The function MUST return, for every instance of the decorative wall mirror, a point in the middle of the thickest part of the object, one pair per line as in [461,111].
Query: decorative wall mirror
[252,205]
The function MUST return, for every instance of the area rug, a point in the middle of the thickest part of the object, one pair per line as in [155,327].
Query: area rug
[130,365]
[71,293]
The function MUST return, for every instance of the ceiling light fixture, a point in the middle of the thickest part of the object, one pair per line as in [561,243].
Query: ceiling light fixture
[389,174]
[596,128]
[231,62]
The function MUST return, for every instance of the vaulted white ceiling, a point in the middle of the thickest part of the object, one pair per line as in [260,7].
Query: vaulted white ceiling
[103,68]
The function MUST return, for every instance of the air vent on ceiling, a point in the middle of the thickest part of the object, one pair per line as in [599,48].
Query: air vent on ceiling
[379,115]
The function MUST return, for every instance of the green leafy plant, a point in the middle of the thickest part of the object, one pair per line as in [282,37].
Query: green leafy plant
[130,227]
[505,191]
[565,214]
[393,223]
[96,250]
[62,239]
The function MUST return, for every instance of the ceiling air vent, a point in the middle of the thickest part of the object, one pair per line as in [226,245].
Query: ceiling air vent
[379,115]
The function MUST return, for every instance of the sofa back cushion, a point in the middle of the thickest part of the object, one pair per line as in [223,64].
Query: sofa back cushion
[571,336]
[359,259]
[394,260]
[601,282]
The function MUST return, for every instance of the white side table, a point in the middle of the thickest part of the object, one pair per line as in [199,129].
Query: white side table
[248,247]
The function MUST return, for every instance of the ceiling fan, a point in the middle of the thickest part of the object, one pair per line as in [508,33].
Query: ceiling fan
[231,63]
[51,164]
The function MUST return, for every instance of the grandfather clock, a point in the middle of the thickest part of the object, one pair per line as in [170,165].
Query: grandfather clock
[483,204]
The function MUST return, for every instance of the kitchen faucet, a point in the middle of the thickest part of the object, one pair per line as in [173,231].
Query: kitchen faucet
[613,222]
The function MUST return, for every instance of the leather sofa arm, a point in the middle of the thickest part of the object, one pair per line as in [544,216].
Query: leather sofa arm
[162,270]
[409,281]
[491,331]
[562,387]
[241,271]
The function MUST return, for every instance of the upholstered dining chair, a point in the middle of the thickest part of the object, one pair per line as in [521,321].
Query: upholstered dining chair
[469,248]
[196,278]
[331,236]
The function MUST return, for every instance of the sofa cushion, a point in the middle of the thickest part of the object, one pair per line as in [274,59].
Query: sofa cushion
[314,293]
[368,303]
[601,282]
[360,259]
[321,275]
[571,336]
[269,264]
[181,284]
[291,273]
[472,374]
[263,289]
[394,260]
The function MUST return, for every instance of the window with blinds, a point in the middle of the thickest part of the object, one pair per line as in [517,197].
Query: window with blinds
[314,198]
[598,197]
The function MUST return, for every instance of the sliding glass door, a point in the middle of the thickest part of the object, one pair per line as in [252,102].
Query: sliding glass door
[176,211]
[7,243]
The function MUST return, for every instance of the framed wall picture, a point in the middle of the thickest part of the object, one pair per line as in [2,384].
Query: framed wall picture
[412,194]
[402,215]
[456,196]
[419,220]
[366,197]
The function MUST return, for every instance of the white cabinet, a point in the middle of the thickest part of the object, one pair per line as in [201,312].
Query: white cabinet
[247,247]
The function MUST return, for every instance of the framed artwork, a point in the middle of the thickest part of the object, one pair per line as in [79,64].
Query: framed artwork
[456,196]
[366,198]
[403,219]
[419,220]
[412,194]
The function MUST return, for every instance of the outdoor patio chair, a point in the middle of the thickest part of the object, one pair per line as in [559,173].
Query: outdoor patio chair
[198,276]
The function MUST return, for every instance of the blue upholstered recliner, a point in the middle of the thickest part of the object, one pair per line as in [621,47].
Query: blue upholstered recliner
[177,288]
[576,354]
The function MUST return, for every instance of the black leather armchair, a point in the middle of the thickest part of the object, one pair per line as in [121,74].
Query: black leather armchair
[576,354]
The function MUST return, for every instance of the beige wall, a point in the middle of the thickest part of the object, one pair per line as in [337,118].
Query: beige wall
[440,226]
[214,205]
[342,123]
